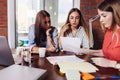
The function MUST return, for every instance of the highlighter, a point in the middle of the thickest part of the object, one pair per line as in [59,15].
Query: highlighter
[58,69]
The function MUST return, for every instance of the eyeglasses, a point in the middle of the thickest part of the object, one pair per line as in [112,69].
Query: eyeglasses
[47,22]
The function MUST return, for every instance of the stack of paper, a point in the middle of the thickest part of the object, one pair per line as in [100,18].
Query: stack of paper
[104,62]
[72,62]
[72,75]
[71,58]
[79,66]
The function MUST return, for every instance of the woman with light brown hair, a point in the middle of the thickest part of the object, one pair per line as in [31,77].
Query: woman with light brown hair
[75,26]
[109,12]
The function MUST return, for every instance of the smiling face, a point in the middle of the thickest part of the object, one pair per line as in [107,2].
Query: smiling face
[106,18]
[74,19]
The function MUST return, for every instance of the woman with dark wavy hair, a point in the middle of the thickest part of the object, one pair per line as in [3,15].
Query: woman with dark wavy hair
[42,34]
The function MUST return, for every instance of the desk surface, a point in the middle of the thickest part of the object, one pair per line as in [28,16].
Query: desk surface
[43,63]
[53,75]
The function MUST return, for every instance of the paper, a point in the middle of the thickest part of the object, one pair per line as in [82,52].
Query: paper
[103,62]
[70,58]
[70,44]
[73,45]
[79,66]
[72,75]
[86,51]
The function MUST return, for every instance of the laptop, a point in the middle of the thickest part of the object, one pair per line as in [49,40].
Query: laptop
[6,58]
[18,72]
[14,71]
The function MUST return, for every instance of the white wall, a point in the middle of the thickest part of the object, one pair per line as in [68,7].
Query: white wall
[11,23]
[76,4]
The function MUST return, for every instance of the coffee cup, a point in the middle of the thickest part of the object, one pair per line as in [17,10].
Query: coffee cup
[42,51]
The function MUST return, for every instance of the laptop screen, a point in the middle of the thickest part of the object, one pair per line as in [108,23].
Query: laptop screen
[6,58]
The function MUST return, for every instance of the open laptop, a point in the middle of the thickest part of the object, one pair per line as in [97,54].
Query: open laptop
[6,58]
[18,72]
[14,71]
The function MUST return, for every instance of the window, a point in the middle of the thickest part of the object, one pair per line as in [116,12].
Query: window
[26,12]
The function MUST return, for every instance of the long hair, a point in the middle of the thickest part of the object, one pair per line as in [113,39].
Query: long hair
[114,7]
[82,22]
[40,32]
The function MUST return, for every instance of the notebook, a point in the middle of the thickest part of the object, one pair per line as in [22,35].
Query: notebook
[18,72]
[6,58]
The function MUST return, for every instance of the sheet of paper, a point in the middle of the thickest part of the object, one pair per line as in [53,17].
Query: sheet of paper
[86,51]
[72,75]
[73,45]
[79,66]
[69,58]
[70,44]
[104,62]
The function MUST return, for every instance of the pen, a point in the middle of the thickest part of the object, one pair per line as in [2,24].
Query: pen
[114,77]
[53,44]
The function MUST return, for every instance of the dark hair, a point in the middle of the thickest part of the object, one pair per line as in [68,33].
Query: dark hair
[114,7]
[40,31]
[82,22]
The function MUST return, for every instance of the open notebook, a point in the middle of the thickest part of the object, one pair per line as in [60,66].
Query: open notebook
[18,72]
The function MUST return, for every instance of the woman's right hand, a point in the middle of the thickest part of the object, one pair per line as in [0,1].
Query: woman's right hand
[64,28]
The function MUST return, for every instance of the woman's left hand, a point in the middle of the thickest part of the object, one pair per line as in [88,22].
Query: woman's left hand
[48,31]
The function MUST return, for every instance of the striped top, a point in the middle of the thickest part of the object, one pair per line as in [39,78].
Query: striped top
[81,34]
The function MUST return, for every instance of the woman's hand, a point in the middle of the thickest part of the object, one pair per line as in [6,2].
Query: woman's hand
[51,49]
[48,31]
[65,27]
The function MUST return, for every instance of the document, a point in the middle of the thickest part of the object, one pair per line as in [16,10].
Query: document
[69,58]
[84,67]
[103,62]
[73,45]
[73,75]
[70,44]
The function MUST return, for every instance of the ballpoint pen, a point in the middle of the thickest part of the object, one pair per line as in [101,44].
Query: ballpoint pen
[53,44]
[114,77]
